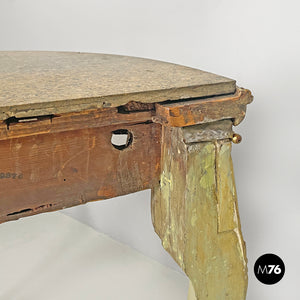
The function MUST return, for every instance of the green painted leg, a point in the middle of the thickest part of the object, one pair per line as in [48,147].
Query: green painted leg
[195,212]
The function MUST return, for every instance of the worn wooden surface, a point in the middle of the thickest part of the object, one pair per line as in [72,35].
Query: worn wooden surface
[58,112]
[195,213]
[47,172]
[43,83]
[200,111]
[14,128]
[178,114]
[207,132]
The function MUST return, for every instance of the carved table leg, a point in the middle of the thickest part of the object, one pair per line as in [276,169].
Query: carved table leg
[194,210]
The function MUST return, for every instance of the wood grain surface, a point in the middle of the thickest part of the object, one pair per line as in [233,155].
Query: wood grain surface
[15,128]
[42,83]
[204,110]
[51,171]
[58,114]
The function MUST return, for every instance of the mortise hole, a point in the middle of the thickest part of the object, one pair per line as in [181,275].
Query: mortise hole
[13,120]
[121,139]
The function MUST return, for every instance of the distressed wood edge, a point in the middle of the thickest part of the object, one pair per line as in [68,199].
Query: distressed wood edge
[72,121]
[56,206]
[200,111]
[136,168]
[77,105]
[213,131]
[133,112]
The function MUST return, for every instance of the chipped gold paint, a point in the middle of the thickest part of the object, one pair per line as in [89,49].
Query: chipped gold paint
[225,189]
[195,214]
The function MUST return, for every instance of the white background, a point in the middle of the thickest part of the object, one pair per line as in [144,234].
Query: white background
[257,43]
[55,257]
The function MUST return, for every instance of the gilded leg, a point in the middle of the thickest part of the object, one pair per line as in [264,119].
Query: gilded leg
[194,209]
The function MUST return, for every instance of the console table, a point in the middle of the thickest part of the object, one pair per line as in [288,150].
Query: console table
[78,127]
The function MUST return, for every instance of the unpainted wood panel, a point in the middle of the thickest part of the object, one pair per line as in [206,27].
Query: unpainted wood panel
[52,171]
[205,110]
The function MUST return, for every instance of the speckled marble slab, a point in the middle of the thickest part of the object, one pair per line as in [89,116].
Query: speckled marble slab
[41,83]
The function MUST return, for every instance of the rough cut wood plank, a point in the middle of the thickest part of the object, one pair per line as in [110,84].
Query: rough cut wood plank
[195,214]
[42,83]
[16,128]
[51,171]
[200,111]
